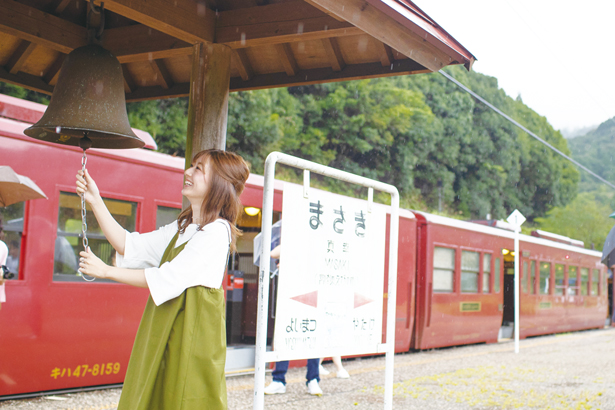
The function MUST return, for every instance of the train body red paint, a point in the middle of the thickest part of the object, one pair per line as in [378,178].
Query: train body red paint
[59,332]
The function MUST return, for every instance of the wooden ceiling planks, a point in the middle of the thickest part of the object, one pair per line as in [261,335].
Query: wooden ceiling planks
[275,42]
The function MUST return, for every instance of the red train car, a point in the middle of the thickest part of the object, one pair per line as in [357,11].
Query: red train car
[465,290]
[63,333]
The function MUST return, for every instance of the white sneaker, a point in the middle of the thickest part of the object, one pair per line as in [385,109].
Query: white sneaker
[343,374]
[322,370]
[314,388]
[276,388]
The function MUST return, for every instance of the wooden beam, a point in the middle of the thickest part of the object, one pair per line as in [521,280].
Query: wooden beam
[273,80]
[129,44]
[187,20]
[157,92]
[243,63]
[54,69]
[386,55]
[286,32]
[287,58]
[129,82]
[162,74]
[40,28]
[334,54]
[277,24]
[324,10]
[389,31]
[29,81]
[294,10]
[141,43]
[327,75]
[62,4]
[19,57]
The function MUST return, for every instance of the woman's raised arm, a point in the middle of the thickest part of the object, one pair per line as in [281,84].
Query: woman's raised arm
[115,234]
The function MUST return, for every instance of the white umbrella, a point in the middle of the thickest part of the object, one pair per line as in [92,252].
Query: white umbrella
[17,188]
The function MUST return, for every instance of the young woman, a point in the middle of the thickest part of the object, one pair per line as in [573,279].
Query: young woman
[178,358]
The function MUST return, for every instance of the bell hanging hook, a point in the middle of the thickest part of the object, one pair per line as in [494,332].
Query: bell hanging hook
[96,10]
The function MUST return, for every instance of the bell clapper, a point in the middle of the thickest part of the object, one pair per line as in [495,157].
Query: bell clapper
[84,143]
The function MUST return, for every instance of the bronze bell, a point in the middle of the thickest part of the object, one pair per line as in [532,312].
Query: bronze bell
[88,105]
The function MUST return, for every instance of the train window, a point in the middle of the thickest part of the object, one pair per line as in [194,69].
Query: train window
[584,281]
[545,275]
[443,269]
[559,279]
[595,281]
[532,277]
[496,277]
[573,284]
[469,271]
[11,218]
[68,242]
[486,272]
[165,215]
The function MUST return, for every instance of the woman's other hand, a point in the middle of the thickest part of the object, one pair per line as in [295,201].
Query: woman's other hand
[87,186]
[91,265]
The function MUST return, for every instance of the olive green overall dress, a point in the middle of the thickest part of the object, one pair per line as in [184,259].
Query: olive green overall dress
[177,362]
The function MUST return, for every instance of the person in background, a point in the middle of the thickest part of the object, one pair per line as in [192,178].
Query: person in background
[340,372]
[179,353]
[278,385]
[12,261]
[4,253]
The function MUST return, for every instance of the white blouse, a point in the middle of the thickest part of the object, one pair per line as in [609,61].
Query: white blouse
[202,262]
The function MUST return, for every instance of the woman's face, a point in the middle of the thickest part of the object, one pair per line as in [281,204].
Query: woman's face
[197,179]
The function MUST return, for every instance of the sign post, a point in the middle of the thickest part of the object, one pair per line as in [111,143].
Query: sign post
[349,222]
[516,219]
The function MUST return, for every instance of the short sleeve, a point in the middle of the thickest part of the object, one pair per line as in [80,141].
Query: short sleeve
[202,262]
[146,250]
[4,253]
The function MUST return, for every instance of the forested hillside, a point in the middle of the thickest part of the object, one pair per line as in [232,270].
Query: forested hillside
[587,216]
[595,150]
[409,131]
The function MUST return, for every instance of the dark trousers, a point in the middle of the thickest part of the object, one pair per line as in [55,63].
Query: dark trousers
[279,374]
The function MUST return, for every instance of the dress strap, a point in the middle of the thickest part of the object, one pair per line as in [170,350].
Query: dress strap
[228,229]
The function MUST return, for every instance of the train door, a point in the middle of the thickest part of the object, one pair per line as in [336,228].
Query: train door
[242,295]
[508,314]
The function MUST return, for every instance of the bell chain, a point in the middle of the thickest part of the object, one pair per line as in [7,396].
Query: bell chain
[84,224]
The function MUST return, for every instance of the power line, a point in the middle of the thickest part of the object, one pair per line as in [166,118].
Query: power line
[488,104]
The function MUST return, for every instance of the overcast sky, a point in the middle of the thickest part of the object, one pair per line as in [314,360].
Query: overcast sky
[557,54]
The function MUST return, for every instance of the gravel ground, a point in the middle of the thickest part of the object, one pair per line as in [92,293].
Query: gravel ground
[571,371]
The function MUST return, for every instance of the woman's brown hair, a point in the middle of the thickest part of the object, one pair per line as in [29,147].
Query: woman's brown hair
[229,173]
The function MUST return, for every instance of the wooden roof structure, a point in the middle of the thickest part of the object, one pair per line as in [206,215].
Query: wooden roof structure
[274,43]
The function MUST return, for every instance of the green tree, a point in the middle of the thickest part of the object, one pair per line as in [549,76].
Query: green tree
[595,151]
[23,93]
[585,218]
[166,120]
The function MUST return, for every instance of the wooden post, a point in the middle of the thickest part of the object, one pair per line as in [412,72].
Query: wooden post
[208,101]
